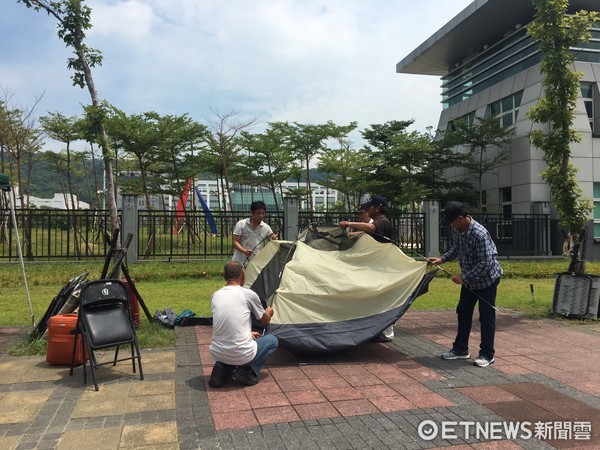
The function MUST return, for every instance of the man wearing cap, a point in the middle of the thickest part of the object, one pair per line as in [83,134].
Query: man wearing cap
[379,228]
[479,278]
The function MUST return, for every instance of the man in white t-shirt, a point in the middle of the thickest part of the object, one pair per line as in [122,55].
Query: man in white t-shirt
[237,350]
[251,234]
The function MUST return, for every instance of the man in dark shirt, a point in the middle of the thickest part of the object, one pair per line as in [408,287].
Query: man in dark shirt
[380,229]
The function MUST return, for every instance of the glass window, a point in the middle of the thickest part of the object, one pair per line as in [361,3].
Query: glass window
[596,210]
[518,98]
[586,90]
[507,103]
[495,109]
[507,108]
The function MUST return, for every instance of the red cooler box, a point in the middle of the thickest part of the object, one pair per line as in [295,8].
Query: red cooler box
[60,340]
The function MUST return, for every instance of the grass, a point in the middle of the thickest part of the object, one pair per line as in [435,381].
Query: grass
[179,285]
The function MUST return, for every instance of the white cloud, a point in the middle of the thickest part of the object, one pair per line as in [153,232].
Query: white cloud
[298,60]
[131,19]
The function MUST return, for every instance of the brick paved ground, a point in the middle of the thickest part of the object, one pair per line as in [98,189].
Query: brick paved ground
[374,396]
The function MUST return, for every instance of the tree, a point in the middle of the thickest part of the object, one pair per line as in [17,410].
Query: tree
[556,33]
[270,160]
[224,149]
[479,137]
[137,135]
[73,21]
[307,141]
[66,130]
[432,177]
[346,170]
[379,139]
[21,139]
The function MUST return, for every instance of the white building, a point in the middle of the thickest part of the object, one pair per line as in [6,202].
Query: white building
[489,65]
[59,201]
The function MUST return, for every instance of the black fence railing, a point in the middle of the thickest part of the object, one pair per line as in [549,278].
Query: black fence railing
[514,235]
[51,234]
[48,234]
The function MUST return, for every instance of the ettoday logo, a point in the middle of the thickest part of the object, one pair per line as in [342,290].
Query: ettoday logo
[450,430]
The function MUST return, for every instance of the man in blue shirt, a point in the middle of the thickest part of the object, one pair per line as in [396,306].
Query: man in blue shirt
[479,278]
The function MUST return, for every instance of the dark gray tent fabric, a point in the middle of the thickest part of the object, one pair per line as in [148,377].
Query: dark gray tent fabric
[331,292]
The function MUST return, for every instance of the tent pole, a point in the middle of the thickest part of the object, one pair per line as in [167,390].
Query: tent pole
[14,219]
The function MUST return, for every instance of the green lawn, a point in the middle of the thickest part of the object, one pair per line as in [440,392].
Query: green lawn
[180,286]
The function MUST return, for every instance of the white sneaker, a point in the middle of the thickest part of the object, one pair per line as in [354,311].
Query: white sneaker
[451,354]
[482,361]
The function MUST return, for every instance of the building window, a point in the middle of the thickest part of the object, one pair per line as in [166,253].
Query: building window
[467,118]
[507,202]
[590,98]
[596,210]
[507,109]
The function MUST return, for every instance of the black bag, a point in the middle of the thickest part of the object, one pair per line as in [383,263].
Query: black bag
[166,317]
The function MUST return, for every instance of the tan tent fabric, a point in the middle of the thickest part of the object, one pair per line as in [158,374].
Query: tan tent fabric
[330,286]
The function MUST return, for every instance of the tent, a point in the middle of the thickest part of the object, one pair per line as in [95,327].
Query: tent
[6,189]
[330,291]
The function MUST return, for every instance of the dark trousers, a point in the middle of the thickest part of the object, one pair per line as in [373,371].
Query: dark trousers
[487,319]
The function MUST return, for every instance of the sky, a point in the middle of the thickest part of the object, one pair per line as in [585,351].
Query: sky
[307,61]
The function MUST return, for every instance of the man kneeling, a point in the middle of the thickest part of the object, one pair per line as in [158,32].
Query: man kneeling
[239,351]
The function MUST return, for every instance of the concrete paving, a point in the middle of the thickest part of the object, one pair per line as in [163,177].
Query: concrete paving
[542,393]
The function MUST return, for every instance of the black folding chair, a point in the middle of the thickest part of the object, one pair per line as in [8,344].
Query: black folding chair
[104,321]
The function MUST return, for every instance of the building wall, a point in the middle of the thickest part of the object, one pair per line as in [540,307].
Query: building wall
[522,169]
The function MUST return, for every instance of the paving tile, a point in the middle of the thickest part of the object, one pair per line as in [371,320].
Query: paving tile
[23,406]
[316,411]
[9,442]
[351,370]
[287,373]
[261,400]
[102,438]
[276,415]
[305,397]
[268,386]
[111,399]
[149,434]
[428,400]
[228,401]
[368,380]
[392,404]
[488,394]
[157,402]
[512,369]
[422,374]
[522,411]
[494,445]
[355,407]
[567,408]
[152,388]
[528,391]
[234,420]
[345,393]
[295,385]
[333,382]
[318,371]
[409,387]
[376,391]
[590,387]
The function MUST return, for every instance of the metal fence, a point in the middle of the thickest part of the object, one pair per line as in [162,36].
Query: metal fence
[51,234]
[514,235]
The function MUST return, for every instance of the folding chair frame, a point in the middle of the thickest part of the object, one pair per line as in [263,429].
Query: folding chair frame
[88,350]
